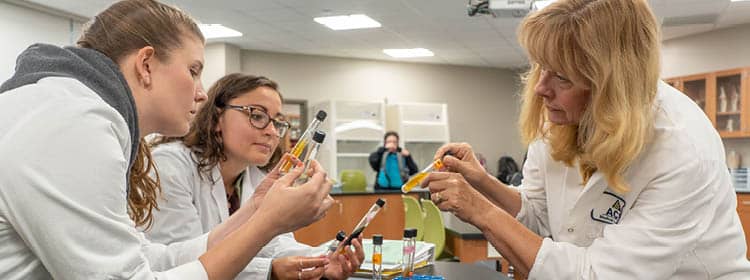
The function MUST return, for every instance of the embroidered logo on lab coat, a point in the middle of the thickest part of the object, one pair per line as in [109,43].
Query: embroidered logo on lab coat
[612,214]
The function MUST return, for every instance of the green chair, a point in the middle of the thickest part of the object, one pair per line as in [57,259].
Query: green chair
[434,227]
[414,215]
[353,180]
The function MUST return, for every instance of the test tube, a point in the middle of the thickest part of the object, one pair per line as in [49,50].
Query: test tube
[419,177]
[301,145]
[362,223]
[317,140]
[335,243]
[410,244]
[377,257]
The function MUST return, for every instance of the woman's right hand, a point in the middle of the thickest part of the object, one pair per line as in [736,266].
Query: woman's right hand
[297,267]
[289,207]
[462,160]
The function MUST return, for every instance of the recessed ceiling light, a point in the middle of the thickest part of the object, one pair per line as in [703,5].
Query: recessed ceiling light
[408,53]
[347,22]
[213,31]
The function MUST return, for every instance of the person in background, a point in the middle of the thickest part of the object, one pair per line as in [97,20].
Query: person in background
[74,178]
[392,163]
[217,167]
[625,176]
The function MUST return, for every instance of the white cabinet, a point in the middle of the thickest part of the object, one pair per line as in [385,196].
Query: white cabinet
[354,129]
[422,127]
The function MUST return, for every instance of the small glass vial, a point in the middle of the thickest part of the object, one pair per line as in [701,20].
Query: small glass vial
[410,244]
[335,243]
[377,257]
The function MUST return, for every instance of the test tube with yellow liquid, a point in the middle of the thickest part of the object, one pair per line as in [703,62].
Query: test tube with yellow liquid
[419,177]
[301,147]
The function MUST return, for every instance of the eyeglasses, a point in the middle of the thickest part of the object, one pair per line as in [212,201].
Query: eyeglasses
[260,119]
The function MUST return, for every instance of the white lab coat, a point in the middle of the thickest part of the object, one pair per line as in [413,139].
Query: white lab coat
[192,206]
[63,208]
[677,222]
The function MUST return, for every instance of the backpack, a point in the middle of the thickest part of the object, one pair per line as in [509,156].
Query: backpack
[506,169]
[403,169]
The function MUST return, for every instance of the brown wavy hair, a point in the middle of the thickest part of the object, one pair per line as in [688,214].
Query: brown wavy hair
[118,31]
[204,142]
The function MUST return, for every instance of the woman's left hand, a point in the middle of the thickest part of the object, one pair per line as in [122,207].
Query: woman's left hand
[451,192]
[345,264]
[271,177]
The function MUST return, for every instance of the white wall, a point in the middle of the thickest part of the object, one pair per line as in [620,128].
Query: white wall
[21,27]
[707,52]
[220,59]
[482,102]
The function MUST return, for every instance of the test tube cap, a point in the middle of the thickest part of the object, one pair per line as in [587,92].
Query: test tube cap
[380,202]
[377,239]
[319,136]
[410,232]
[341,235]
[321,115]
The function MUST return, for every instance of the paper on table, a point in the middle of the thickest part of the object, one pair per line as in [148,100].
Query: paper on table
[393,254]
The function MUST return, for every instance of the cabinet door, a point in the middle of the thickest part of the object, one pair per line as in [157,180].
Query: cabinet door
[675,83]
[696,88]
[729,103]
[743,209]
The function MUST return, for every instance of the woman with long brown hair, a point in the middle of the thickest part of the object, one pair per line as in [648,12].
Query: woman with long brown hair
[74,172]
[217,167]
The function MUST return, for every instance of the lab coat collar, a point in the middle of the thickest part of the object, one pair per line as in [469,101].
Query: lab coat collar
[219,193]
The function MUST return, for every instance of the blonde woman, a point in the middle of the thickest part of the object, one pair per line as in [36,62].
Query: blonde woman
[625,176]
[74,178]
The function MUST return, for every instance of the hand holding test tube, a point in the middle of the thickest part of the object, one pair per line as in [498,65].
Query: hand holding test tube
[362,224]
[417,179]
[301,147]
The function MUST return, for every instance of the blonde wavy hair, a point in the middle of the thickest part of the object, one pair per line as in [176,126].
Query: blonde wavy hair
[612,47]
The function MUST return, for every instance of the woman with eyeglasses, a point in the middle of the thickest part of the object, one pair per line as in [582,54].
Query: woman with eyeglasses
[218,166]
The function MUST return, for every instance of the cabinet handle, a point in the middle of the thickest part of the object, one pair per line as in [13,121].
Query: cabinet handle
[746,202]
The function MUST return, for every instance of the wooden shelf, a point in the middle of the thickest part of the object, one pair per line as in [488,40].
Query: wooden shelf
[737,113]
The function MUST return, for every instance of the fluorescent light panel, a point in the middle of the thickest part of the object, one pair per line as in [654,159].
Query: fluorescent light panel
[408,53]
[541,4]
[214,31]
[347,22]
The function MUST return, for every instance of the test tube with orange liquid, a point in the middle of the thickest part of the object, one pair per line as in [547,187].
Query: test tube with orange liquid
[419,177]
[301,147]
